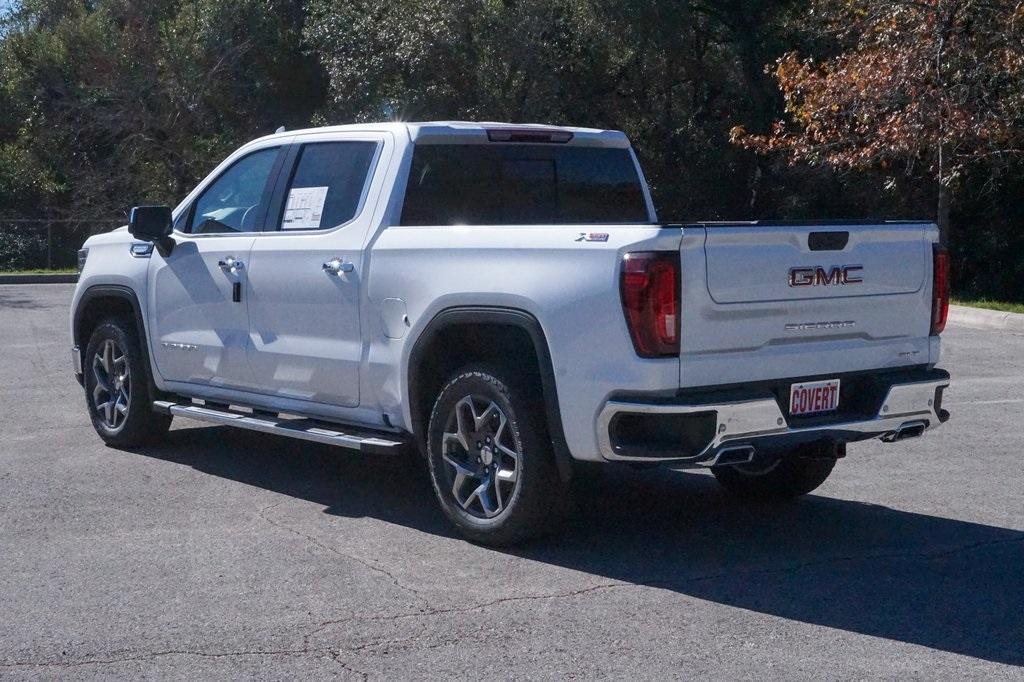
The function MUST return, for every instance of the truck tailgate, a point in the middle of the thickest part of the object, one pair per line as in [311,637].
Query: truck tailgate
[773,301]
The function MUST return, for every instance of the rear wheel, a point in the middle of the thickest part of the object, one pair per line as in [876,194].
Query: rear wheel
[117,387]
[795,473]
[490,458]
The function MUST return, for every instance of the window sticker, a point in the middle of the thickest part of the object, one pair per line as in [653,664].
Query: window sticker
[304,209]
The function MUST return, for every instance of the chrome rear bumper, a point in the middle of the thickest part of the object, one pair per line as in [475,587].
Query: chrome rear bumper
[742,427]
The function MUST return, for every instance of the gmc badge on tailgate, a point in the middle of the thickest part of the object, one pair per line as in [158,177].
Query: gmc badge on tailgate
[836,276]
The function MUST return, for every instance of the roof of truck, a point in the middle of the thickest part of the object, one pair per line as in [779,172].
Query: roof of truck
[435,132]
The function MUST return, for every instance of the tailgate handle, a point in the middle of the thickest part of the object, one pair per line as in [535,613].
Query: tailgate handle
[828,241]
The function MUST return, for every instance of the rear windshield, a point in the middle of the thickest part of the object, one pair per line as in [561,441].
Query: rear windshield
[509,184]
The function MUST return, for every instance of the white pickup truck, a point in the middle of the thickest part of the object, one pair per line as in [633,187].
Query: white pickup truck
[502,299]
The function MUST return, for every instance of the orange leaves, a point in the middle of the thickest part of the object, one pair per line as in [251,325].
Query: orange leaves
[915,76]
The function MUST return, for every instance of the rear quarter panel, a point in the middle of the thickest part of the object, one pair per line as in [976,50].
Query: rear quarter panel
[571,287]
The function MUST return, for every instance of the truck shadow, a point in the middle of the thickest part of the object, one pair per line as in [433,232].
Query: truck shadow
[949,585]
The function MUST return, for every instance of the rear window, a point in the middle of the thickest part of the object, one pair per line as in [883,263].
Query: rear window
[327,185]
[522,185]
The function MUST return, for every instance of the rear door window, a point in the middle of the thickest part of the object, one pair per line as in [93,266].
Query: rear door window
[522,185]
[326,188]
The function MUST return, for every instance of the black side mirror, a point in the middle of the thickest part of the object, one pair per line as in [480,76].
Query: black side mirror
[152,224]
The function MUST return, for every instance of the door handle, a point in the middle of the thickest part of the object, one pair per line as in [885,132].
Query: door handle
[231,264]
[336,266]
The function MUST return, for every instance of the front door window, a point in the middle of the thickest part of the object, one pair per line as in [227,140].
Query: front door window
[236,201]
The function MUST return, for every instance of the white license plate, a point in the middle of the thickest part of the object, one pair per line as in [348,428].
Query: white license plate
[814,397]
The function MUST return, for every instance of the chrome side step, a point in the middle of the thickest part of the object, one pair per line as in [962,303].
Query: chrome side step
[304,429]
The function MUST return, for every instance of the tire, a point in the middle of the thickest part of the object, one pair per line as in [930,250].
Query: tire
[117,387]
[490,458]
[795,473]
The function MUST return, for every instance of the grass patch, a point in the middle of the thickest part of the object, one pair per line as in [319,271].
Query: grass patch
[40,271]
[1002,306]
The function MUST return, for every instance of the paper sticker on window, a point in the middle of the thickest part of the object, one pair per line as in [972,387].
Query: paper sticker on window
[304,209]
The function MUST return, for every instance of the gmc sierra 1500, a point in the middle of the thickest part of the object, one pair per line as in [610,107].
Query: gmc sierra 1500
[503,299]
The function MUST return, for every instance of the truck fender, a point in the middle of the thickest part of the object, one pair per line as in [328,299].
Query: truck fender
[494,316]
[100,291]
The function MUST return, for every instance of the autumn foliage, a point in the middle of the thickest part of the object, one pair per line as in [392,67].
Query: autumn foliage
[926,86]
[866,109]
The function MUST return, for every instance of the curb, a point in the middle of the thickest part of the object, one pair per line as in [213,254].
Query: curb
[982,318]
[38,279]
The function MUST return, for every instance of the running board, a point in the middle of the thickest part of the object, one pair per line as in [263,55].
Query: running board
[304,429]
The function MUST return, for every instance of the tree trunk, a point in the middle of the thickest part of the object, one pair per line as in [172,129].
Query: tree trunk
[943,215]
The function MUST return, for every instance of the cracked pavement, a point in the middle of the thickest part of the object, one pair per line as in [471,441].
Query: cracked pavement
[231,554]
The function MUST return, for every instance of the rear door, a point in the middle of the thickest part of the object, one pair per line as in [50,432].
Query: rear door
[774,301]
[200,326]
[306,272]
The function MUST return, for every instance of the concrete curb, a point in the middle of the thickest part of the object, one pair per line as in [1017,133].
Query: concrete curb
[38,279]
[982,318]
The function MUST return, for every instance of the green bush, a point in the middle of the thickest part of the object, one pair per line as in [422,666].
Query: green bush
[22,251]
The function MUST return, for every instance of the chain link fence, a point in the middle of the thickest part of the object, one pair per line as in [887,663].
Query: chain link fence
[46,244]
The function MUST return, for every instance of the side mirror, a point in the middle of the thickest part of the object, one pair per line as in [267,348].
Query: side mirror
[152,224]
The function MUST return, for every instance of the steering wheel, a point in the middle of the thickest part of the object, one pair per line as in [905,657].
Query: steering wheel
[245,216]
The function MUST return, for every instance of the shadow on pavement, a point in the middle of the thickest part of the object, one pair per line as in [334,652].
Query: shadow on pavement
[926,580]
[20,301]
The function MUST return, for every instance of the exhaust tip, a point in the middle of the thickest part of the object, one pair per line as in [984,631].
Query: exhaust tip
[905,431]
[912,431]
[737,454]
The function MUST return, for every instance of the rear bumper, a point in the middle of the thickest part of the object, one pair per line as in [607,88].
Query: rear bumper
[732,426]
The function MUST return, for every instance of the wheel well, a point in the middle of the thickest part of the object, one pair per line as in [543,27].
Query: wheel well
[95,310]
[105,301]
[458,345]
[506,337]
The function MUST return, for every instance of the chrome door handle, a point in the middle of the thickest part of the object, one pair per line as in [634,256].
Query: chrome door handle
[336,266]
[231,264]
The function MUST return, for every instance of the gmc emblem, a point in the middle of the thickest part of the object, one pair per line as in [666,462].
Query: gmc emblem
[838,275]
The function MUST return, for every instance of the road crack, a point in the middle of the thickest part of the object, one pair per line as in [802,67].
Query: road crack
[663,583]
[335,653]
[182,652]
[334,550]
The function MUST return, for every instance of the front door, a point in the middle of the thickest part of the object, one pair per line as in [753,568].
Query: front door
[197,293]
[305,274]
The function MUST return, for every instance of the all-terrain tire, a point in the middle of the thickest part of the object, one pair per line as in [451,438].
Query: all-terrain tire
[480,418]
[117,386]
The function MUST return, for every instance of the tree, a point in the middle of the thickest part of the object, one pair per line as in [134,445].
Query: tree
[108,103]
[667,72]
[920,86]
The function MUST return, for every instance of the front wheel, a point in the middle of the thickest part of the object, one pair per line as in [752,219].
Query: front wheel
[490,458]
[795,473]
[117,387]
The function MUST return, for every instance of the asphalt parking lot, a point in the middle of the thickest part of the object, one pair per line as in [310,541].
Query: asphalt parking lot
[228,554]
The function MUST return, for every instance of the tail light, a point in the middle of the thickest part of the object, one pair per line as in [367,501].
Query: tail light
[528,135]
[650,300]
[940,289]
